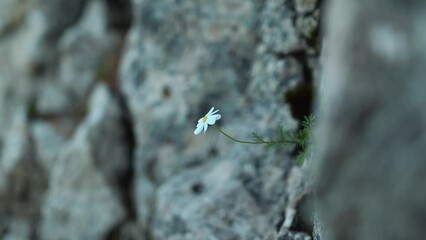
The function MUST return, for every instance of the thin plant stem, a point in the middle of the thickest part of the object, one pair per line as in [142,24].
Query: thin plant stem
[251,142]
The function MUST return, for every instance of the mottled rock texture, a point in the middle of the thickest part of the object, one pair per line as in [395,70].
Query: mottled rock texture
[99,100]
[371,136]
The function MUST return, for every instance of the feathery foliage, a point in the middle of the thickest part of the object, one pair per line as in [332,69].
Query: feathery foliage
[303,139]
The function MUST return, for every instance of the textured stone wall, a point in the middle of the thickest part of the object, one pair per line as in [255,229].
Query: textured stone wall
[371,135]
[99,101]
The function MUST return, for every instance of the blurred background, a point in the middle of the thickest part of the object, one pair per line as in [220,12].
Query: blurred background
[99,100]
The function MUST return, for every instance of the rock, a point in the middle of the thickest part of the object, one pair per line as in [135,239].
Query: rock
[32,28]
[305,6]
[224,199]
[81,52]
[174,68]
[370,179]
[82,201]
[144,197]
[14,145]
[22,181]
[266,70]
[307,26]
[104,129]
[47,142]
[208,201]
[295,236]
[296,188]
[57,19]
[181,59]
[317,232]
[22,178]
[277,30]
[79,160]
[16,230]
[52,98]
[79,203]
[12,14]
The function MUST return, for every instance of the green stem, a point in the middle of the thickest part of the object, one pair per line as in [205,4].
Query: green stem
[250,142]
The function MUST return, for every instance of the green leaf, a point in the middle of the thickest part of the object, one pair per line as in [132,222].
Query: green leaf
[256,137]
[270,145]
[300,158]
[281,133]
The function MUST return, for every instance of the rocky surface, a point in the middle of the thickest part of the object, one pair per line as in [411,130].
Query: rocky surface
[371,170]
[85,175]
[99,100]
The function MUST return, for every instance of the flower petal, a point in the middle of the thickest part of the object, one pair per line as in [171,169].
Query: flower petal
[211,120]
[211,110]
[205,127]
[198,129]
[215,112]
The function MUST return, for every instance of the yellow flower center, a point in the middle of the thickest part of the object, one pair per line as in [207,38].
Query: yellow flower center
[204,119]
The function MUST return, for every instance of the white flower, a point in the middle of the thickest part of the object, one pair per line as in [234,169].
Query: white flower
[209,119]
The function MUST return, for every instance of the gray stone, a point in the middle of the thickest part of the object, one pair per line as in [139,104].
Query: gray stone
[307,26]
[104,129]
[82,201]
[47,142]
[79,203]
[22,181]
[370,139]
[266,70]
[305,6]
[60,14]
[52,98]
[22,178]
[82,48]
[277,30]
[79,160]
[295,236]
[17,229]
[14,146]
[183,58]
[12,14]
[297,188]
[81,52]
[209,201]
[177,64]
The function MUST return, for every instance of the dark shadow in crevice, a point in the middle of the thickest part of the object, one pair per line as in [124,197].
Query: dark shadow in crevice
[301,96]
[119,15]
[304,219]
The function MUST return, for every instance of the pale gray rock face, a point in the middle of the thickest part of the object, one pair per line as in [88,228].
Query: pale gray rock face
[183,58]
[22,181]
[81,51]
[96,133]
[10,12]
[305,6]
[58,18]
[81,202]
[276,16]
[371,167]
[47,143]
[221,200]
[64,160]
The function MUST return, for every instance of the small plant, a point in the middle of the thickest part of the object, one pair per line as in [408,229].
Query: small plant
[303,139]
